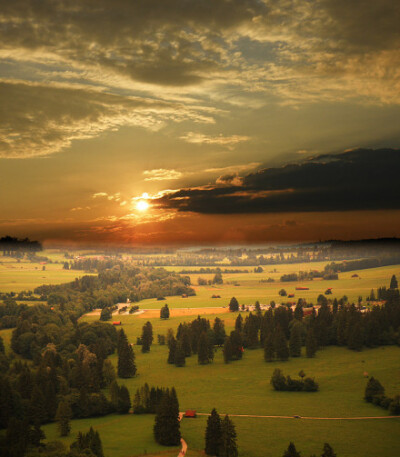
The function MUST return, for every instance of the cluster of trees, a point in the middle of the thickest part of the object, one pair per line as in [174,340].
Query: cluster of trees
[291,451]
[211,271]
[217,279]
[147,399]
[12,245]
[220,437]
[10,311]
[286,383]
[309,276]
[375,393]
[166,427]
[196,337]
[117,286]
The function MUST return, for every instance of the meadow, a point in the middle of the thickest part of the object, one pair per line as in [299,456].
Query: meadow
[16,276]
[243,387]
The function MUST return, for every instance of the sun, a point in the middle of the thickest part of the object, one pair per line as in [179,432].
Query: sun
[142,205]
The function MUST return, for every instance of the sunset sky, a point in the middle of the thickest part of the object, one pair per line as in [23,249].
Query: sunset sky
[189,122]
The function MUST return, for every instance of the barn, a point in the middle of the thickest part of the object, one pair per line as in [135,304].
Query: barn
[190,413]
[117,323]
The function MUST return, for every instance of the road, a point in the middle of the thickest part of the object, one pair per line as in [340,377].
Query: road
[307,417]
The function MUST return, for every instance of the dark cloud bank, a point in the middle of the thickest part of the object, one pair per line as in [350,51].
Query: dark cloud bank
[361,179]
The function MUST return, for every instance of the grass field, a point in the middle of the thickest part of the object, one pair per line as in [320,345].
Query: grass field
[25,275]
[243,387]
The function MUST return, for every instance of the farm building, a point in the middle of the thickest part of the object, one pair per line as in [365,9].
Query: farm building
[190,413]
[117,323]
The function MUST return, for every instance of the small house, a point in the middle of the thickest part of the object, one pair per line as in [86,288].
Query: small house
[184,296]
[190,413]
[117,323]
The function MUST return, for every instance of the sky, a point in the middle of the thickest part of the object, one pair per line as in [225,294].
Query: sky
[199,122]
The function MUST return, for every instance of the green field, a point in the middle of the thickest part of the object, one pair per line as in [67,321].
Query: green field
[25,275]
[243,387]
[251,289]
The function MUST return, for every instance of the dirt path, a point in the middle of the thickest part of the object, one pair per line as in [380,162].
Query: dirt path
[183,450]
[308,417]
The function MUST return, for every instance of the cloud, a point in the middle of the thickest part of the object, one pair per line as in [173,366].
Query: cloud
[37,120]
[355,180]
[161,174]
[220,140]
[233,168]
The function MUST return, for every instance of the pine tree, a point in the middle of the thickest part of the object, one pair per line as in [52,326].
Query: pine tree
[37,406]
[356,339]
[124,401]
[233,305]
[393,283]
[179,355]
[295,338]
[228,446]
[202,350]
[63,417]
[164,312]
[269,351]
[172,350]
[298,312]
[239,323]
[327,451]
[291,451]
[374,388]
[213,434]
[126,358]
[147,337]
[227,350]
[250,331]
[219,332]
[311,343]
[166,426]
[280,344]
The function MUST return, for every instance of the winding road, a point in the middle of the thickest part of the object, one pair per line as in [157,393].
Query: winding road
[307,417]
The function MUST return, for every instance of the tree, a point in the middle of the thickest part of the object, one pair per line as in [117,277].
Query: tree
[227,350]
[217,278]
[233,305]
[124,401]
[213,434]
[394,406]
[311,343]
[295,339]
[108,372]
[219,332]
[327,451]
[203,349]
[280,344]
[164,312]
[393,283]
[278,380]
[147,336]
[166,426]
[36,435]
[374,388]
[239,323]
[228,446]
[269,351]
[179,360]
[172,350]
[291,451]
[126,358]
[105,314]
[37,406]
[63,417]
[283,293]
